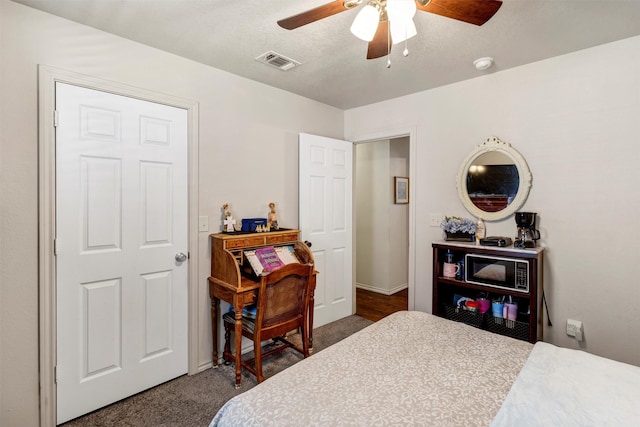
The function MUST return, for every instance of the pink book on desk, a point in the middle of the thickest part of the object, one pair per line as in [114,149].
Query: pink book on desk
[269,258]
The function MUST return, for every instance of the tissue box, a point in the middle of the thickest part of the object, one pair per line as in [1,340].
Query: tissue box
[250,224]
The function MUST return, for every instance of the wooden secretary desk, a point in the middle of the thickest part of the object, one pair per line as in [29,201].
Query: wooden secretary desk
[228,282]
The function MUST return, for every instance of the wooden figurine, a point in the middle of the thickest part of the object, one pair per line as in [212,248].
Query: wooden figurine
[272,219]
[229,222]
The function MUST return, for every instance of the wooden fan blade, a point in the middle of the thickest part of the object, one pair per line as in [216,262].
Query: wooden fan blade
[316,14]
[380,45]
[475,12]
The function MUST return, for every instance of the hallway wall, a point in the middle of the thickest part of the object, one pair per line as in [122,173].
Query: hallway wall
[381,225]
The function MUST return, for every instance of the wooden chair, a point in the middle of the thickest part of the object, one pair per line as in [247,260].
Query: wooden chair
[282,306]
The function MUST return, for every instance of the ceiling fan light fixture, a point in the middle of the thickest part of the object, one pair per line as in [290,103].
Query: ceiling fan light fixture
[482,64]
[402,30]
[373,21]
[366,23]
[401,9]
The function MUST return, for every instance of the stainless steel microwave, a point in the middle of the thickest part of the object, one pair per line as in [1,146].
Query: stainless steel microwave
[497,272]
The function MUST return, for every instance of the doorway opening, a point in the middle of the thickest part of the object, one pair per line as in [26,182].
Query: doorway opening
[382,228]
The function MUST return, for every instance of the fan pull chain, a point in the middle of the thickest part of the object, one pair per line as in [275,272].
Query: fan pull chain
[405,52]
[388,44]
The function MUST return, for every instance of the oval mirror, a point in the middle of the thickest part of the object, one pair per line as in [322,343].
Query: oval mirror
[493,180]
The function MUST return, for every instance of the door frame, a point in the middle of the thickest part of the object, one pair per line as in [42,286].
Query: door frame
[47,78]
[411,132]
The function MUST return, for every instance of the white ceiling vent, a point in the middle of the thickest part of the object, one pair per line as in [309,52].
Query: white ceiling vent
[277,61]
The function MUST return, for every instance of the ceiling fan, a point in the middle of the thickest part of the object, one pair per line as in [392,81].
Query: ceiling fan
[381,34]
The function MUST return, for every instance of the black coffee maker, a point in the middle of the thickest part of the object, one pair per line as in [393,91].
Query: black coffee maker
[527,233]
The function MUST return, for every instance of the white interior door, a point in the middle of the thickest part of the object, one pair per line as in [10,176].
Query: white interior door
[325,187]
[121,218]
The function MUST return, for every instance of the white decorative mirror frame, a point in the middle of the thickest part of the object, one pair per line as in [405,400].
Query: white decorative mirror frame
[494,146]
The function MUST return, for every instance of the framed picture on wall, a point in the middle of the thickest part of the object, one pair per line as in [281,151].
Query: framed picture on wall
[401,190]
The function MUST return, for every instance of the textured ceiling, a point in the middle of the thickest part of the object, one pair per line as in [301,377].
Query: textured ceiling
[230,34]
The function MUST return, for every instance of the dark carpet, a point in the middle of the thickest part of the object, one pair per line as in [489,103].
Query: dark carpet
[194,400]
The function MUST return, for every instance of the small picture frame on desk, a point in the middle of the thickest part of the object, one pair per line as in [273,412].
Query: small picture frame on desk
[401,190]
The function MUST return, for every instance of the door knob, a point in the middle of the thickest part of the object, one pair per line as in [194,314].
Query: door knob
[181,257]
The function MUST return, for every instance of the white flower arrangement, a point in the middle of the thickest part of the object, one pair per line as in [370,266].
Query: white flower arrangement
[456,224]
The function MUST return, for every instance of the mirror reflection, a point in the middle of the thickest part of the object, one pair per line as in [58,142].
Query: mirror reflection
[492,181]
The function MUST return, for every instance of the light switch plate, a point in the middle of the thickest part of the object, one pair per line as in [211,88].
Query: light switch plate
[203,223]
[435,219]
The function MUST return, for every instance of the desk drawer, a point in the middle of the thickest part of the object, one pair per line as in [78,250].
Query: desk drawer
[249,298]
[289,237]
[275,239]
[245,242]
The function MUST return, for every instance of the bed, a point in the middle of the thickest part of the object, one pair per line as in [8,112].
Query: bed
[412,368]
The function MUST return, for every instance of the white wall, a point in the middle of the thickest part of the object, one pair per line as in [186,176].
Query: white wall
[248,136]
[398,218]
[576,120]
[372,198]
[381,225]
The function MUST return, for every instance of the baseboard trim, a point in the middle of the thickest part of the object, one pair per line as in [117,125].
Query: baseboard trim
[382,291]
[204,366]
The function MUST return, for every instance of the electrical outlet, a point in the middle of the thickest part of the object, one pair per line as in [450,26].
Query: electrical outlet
[571,329]
[435,219]
[574,329]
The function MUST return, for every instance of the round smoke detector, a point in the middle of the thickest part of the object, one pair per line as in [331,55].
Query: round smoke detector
[482,64]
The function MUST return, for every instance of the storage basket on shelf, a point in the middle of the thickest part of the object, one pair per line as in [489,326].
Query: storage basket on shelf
[472,318]
[520,330]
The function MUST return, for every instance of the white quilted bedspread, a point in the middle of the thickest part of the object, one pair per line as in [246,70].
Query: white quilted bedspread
[410,368]
[571,388]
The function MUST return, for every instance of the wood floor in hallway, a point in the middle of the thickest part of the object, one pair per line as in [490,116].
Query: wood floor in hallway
[374,306]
